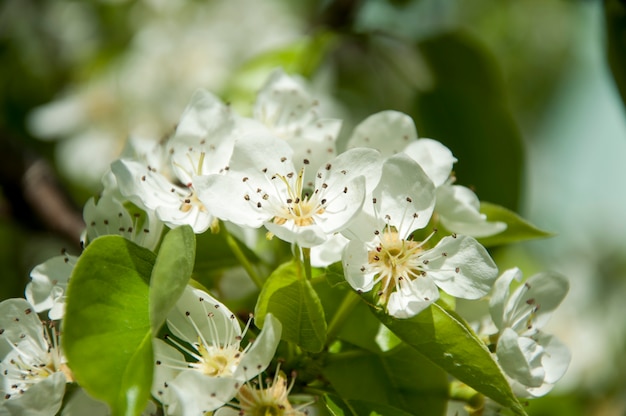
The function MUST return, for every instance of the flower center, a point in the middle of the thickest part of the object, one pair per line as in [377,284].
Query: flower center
[395,261]
[218,361]
[191,201]
[298,208]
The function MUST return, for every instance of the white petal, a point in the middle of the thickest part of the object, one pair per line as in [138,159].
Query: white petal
[19,321]
[261,153]
[229,198]
[283,103]
[538,297]
[49,281]
[222,329]
[500,295]
[80,404]
[355,262]
[349,165]
[205,117]
[163,372]
[197,394]
[262,351]
[556,357]
[41,399]
[461,266]
[329,252]
[344,204]
[458,209]
[412,298]
[405,195]
[311,155]
[304,236]
[388,131]
[435,158]
[520,358]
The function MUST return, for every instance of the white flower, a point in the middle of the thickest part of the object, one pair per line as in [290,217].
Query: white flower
[46,290]
[270,400]
[382,251]
[285,106]
[201,145]
[262,187]
[532,359]
[210,334]
[109,216]
[457,207]
[33,370]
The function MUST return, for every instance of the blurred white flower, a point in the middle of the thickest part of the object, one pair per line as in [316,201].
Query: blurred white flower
[176,48]
[532,359]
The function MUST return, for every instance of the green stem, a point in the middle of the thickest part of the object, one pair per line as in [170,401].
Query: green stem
[348,303]
[462,392]
[306,256]
[236,249]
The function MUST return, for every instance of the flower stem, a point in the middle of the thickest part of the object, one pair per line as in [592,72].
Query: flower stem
[245,263]
[348,303]
[464,393]
[306,256]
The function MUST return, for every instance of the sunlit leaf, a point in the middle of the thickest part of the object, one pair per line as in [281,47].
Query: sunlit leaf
[518,229]
[289,296]
[445,338]
[106,331]
[171,272]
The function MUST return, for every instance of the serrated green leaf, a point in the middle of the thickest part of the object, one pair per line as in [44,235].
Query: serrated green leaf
[517,229]
[447,340]
[291,298]
[395,382]
[171,272]
[106,329]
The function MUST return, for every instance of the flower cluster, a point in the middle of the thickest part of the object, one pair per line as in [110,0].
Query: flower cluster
[386,211]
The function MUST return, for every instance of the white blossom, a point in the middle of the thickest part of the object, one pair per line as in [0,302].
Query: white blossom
[263,188]
[286,107]
[201,146]
[532,359]
[209,333]
[457,207]
[33,369]
[407,273]
[46,290]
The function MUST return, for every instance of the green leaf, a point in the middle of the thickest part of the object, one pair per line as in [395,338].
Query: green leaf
[360,407]
[291,298]
[171,272]
[615,16]
[447,340]
[393,383]
[106,329]
[517,229]
[467,110]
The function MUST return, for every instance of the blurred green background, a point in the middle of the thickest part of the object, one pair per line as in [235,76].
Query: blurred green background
[525,93]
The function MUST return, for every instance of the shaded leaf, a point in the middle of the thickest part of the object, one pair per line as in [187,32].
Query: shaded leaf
[467,111]
[615,16]
[106,329]
[518,229]
[291,298]
[394,383]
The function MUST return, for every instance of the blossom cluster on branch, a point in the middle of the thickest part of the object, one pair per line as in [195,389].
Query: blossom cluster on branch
[375,230]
